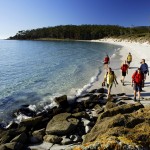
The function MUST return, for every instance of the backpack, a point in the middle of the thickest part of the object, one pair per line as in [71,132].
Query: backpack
[112,74]
[129,58]
[124,67]
[136,78]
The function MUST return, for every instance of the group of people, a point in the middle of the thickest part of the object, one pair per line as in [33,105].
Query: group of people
[138,77]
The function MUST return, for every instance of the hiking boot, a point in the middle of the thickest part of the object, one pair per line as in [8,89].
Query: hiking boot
[134,99]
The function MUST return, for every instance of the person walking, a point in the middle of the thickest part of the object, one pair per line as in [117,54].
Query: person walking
[124,69]
[106,61]
[144,68]
[129,59]
[110,78]
[137,78]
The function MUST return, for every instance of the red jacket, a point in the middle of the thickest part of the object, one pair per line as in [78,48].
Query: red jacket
[137,77]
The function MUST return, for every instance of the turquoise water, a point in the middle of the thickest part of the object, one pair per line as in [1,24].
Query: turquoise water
[34,72]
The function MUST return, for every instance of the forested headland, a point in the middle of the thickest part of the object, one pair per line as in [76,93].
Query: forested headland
[83,32]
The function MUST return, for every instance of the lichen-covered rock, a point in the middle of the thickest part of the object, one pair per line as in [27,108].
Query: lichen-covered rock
[129,131]
[123,109]
[110,105]
[61,124]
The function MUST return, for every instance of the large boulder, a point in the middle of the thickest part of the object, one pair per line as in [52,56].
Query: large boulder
[61,124]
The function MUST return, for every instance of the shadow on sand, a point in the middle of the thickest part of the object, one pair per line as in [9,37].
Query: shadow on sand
[133,68]
[142,94]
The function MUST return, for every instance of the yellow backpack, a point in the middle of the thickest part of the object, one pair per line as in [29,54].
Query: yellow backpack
[129,58]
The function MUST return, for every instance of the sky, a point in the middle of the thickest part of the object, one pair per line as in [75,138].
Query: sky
[17,15]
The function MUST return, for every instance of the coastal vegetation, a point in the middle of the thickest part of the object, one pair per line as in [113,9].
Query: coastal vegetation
[83,32]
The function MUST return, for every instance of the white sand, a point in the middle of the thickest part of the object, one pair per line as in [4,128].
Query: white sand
[139,51]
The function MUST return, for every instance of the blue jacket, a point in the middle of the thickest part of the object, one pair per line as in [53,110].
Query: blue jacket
[144,68]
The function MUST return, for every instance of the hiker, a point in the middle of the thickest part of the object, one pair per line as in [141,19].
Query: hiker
[106,61]
[144,68]
[129,59]
[137,78]
[110,78]
[124,69]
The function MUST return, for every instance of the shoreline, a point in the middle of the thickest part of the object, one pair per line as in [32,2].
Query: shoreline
[72,94]
[92,110]
[116,59]
[139,51]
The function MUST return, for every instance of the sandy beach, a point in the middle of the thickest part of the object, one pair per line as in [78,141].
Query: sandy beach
[139,51]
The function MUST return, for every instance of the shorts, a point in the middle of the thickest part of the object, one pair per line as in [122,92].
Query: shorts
[109,85]
[106,63]
[137,87]
[145,72]
[129,62]
[124,74]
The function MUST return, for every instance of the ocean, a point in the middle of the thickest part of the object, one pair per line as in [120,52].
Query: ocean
[34,72]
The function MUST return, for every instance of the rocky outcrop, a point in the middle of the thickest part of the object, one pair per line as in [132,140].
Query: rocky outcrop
[97,122]
[130,130]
